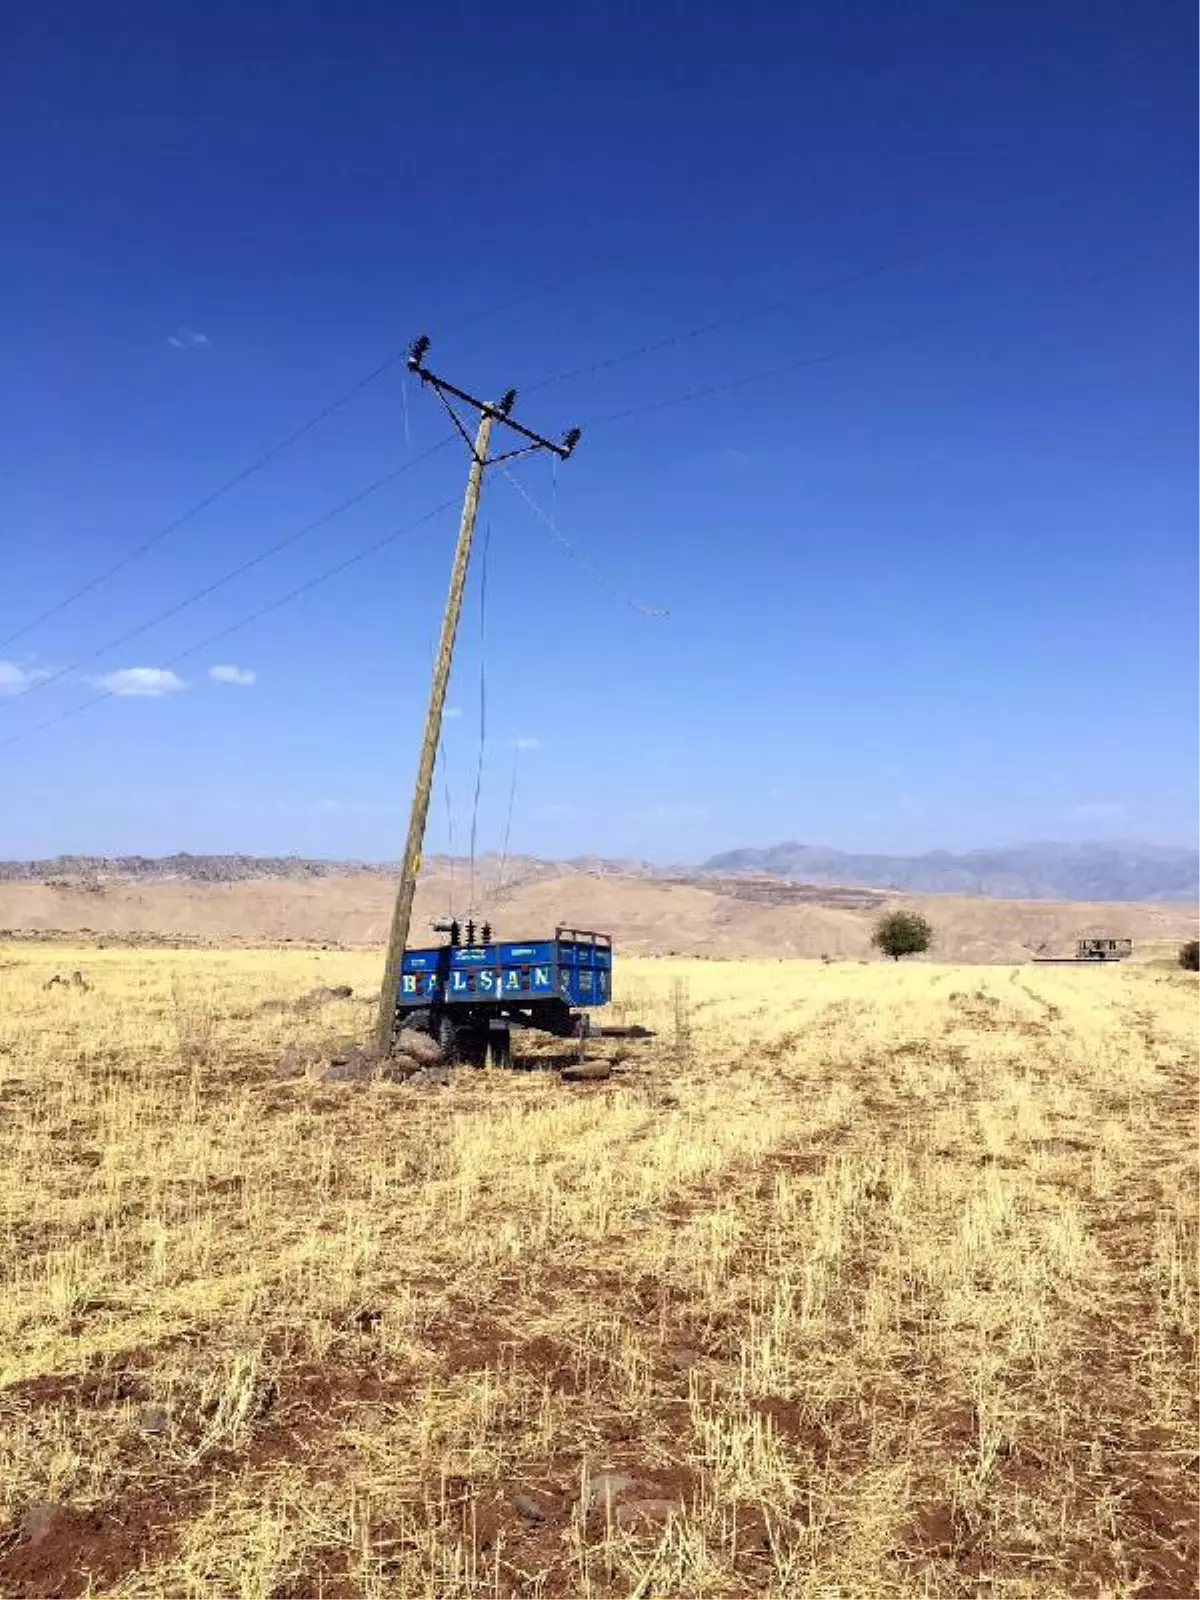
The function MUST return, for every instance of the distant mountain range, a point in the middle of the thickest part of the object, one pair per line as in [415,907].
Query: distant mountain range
[1113,872]
[1019,872]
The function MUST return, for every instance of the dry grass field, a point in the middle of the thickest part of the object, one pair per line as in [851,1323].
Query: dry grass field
[857,1280]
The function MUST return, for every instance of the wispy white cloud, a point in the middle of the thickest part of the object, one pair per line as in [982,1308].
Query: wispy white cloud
[732,457]
[552,811]
[16,679]
[242,675]
[1097,811]
[145,683]
[527,741]
[452,713]
[185,338]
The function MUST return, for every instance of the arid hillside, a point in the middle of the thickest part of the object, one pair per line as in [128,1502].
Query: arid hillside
[703,915]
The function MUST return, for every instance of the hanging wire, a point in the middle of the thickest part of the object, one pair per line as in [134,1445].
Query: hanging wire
[576,555]
[512,795]
[449,827]
[444,767]
[483,578]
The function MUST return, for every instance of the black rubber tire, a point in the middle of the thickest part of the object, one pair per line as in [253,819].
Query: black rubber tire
[472,1047]
[447,1036]
[421,1021]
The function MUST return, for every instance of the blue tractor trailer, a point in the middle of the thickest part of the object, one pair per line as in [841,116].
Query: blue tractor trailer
[469,994]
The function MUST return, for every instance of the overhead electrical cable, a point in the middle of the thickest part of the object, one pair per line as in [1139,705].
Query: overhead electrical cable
[244,621]
[508,821]
[234,572]
[395,358]
[876,342]
[746,314]
[483,577]
[592,571]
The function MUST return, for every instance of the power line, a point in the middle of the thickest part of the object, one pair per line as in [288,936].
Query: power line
[209,499]
[577,555]
[255,466]
[512,796]
[234,572]
[487,540]
[449,820]
[251,616]
[686,335]
[896,337]
[614,417]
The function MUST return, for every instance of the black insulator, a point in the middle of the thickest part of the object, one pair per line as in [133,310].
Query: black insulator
[455,932]
[470,933]
[485,933]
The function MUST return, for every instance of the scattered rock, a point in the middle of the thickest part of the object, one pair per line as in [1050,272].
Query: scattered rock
[75,981]
[154,1419]
[399,1069]
[319,997]
[602,1489]
[438,1077]
[647,1513]
[416,1046]
[296,1060]
[351,1063]
[587,1071]
[531,1508]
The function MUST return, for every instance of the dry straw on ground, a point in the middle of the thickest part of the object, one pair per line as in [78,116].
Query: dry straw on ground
[859,1280]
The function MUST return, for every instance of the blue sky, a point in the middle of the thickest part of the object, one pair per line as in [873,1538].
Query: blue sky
[931,578]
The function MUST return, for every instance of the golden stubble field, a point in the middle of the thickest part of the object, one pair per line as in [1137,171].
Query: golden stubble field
[858,1280]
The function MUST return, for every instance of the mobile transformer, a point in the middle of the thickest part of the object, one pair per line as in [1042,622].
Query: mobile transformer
[470,993]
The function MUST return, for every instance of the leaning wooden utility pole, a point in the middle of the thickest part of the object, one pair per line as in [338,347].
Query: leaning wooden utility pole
[490,413]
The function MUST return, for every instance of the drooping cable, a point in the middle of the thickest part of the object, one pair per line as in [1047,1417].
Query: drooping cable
[483,577]
[577,555]
[512,796]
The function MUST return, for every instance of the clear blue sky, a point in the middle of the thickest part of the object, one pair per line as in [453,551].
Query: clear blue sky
[937,590]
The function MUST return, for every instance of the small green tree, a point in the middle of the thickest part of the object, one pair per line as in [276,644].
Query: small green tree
[1189,955]
[902,933]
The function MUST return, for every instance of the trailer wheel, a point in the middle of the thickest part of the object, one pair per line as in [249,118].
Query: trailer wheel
[462,1043]
[498,1048]
[421,1021]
